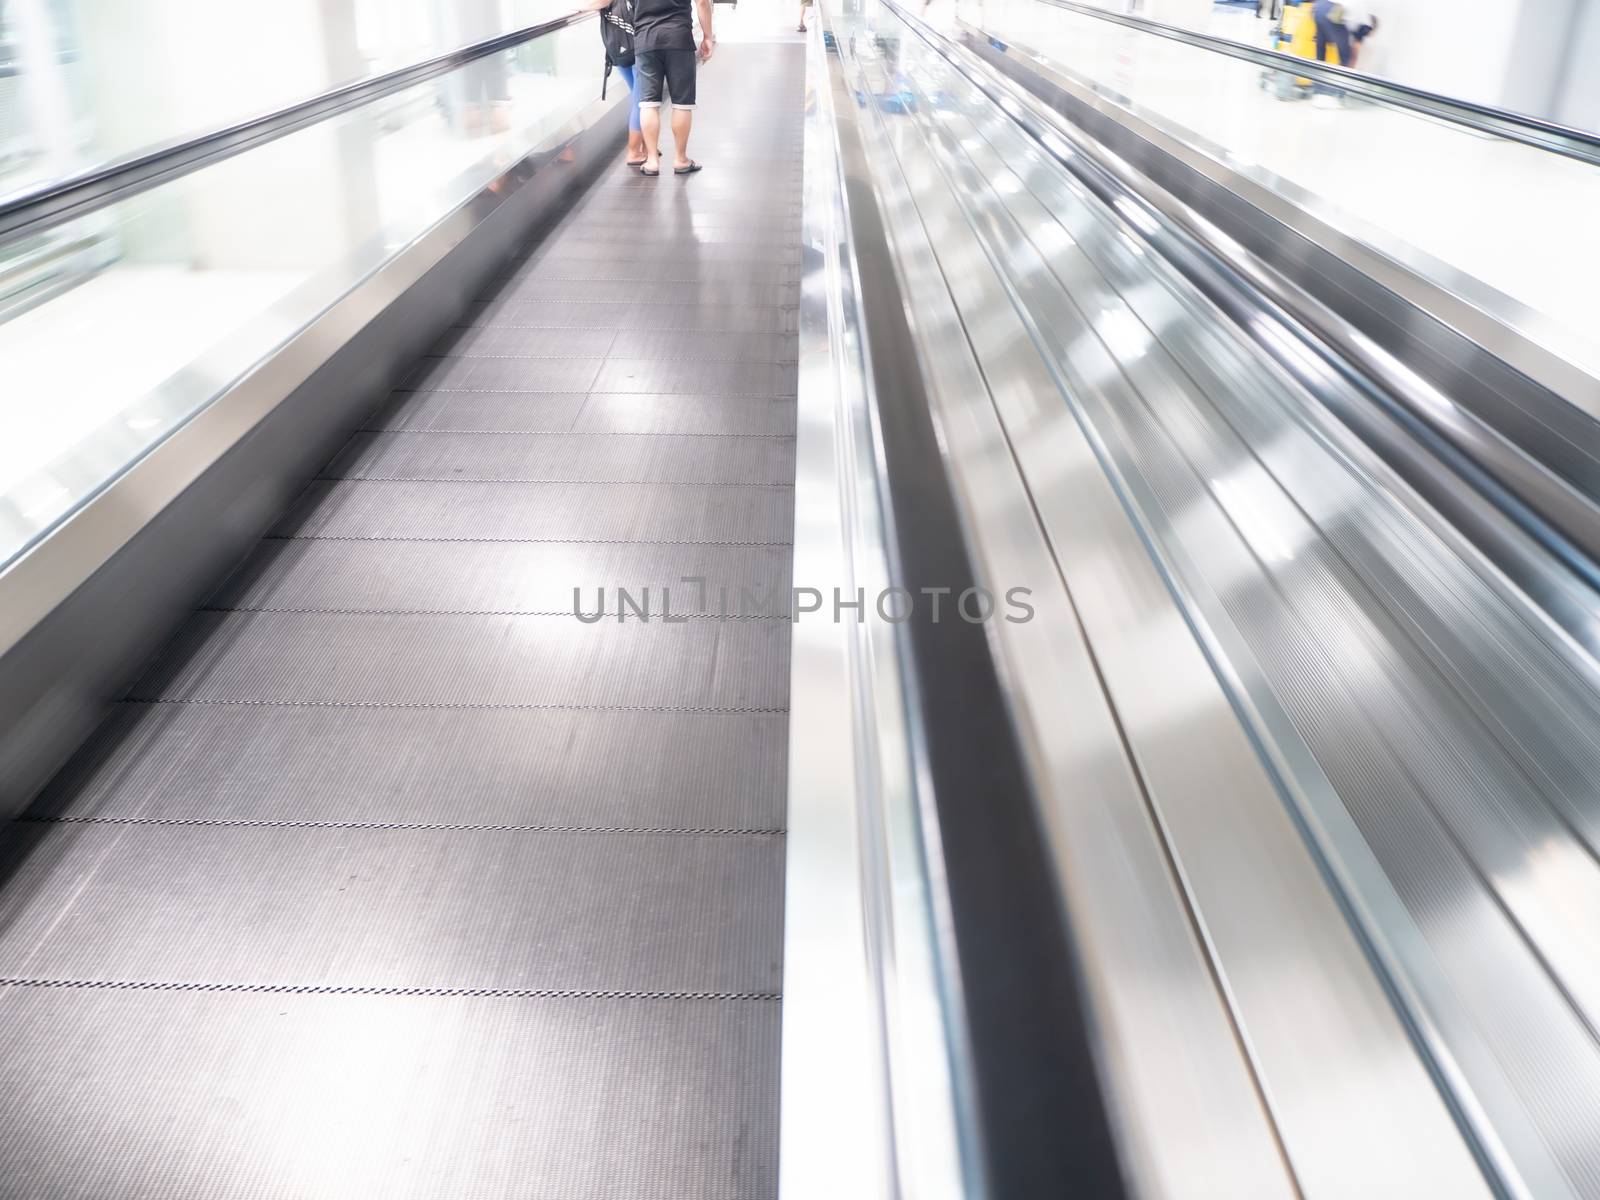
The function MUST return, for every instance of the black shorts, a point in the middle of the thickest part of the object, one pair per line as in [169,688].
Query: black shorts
[674,68]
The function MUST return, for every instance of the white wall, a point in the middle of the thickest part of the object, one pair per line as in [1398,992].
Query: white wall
[1578,98]
[1191,14]
[166,68]
[1533,56]
[1539,52]
[1456,47]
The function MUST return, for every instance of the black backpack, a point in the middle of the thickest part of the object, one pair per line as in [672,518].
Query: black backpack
[616,32]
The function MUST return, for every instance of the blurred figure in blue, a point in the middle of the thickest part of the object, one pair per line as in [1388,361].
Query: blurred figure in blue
[1338,28]
[616,34]
[1331,29]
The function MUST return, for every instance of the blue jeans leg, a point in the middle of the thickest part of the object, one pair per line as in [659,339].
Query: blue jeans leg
[632,80]
[1330,33]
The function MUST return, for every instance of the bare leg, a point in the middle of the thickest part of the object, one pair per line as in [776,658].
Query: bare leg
[636,142]
[650,131]
[801,28]
[682,119]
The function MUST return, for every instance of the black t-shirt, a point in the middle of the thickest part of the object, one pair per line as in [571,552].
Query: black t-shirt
[663,25]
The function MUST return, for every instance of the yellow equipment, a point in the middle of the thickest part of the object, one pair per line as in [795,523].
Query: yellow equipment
[1296,34]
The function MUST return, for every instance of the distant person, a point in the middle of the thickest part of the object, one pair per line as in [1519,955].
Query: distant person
[665,60]
[1364,48]
[1339,27]
[1331,30]
[616,34]
[805,7]
[1336,26]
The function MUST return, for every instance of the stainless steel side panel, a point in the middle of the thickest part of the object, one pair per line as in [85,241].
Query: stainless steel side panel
[867,1066]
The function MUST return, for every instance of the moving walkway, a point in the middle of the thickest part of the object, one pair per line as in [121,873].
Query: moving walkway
[1309,705]
[1253,854]
[385,875]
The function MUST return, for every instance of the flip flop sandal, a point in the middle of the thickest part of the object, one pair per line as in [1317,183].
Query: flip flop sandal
[649,172]
[634,162]
[689,170]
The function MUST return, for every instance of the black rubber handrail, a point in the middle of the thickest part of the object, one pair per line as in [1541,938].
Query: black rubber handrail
[1484,118]
[64,200]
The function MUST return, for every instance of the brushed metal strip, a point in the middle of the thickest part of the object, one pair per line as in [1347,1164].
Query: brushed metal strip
[1185,1100]
[834,1090]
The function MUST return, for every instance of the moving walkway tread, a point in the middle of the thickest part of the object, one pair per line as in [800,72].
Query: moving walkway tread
[1421,711]
[391,878]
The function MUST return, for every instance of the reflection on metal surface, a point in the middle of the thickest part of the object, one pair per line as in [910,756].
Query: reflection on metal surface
[1183,1098]
[1250,933]
[834,1093]
[1354,756]
[1509,1122]
[865,1040]
[1246,501]
[1296,228]
[1534,525]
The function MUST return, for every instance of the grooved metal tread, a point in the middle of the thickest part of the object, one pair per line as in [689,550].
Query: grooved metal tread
[718,345]
[474,908]
[527,361]
[622,291]
[669,270]
[474,660]
[562,458]
[583,313]
[382,884]
[762,252]
[474,766]
[487,577]
[226,1096]
[542,512]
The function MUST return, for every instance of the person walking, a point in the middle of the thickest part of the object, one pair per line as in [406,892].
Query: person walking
[1336,27]
[1331,31]
[665,62]
[616,35]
